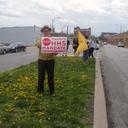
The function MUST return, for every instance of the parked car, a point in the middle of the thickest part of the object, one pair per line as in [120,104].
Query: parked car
[104,43]
[16,47]
[3,49]
[120,44]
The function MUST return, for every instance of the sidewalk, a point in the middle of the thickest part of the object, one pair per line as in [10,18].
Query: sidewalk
[100,114]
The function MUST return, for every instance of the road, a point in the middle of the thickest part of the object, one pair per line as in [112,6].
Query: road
[13,60]
[114,63]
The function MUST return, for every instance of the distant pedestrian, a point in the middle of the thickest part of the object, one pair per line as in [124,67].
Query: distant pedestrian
[46,62]
[68,43]
[92,46]
[65,53]
[75,44]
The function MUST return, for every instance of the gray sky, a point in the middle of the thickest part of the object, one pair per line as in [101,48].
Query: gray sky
[100,15]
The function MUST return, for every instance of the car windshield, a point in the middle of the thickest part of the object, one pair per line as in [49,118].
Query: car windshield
[12,45]
[1,45]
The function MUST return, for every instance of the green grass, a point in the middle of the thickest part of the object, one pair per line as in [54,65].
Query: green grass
[22,107]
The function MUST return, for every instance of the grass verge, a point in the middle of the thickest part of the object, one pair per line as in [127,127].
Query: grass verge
[22,107]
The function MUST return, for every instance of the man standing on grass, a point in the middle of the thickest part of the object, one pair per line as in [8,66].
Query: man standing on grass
[46,62]
[75,44]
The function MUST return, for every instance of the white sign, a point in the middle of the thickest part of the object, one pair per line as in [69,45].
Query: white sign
[53,44]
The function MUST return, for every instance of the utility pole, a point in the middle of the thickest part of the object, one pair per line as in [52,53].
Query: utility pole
[120,31]
[53,29]
[67,30]
[120,27]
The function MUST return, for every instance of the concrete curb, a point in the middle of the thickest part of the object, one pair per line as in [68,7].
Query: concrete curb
[100,114]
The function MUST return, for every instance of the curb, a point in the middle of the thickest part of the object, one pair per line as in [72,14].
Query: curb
[100,114]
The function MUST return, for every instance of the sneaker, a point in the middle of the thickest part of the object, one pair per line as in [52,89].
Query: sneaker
[53,94]
[40,92]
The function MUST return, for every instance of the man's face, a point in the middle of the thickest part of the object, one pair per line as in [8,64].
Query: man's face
[46,32]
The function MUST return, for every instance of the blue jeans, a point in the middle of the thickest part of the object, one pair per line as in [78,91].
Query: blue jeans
[85,55]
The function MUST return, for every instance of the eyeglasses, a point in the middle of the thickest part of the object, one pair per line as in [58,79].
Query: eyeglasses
[45,31]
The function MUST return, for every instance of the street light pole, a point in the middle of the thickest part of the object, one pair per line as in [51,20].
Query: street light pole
[120,31]
[67,30]
[53,22]
[52,25]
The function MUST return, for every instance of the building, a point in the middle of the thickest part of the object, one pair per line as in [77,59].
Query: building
[106,35]
[26,34]
[85,31]
[122,37]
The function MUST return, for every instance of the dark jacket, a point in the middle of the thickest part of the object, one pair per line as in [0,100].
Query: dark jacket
[75,43]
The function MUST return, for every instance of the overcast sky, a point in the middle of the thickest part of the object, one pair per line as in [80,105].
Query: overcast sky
[100,15]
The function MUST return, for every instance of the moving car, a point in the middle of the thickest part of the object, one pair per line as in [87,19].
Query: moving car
[3,49]
[120,44]
[16,47]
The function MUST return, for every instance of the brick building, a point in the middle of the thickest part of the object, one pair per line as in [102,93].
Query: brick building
[105,36]
[85,31]
[122,37]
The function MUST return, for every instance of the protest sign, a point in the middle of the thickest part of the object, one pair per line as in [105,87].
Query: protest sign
[53,44]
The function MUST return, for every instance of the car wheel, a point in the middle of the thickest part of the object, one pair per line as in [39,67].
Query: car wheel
[16,50]
[4,52]
[24,49]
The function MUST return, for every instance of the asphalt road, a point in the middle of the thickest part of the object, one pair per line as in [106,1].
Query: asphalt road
[114,63]
[13,60]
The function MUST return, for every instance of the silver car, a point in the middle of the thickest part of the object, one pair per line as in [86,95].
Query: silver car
[3,49]
[120,44]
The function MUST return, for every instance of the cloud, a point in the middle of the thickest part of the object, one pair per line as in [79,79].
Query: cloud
[10,13]
[98,14]
[50,5]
